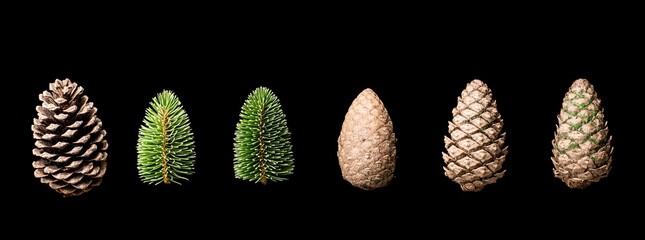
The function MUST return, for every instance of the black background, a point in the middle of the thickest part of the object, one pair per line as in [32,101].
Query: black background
[317,68]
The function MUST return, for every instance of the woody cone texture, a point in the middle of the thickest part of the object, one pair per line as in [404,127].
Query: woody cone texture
[582,145]
[69,140]
[474,150]
[366,145]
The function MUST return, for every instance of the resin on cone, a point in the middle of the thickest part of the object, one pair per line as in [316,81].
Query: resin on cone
[475,148]
[582,145]
[366,145]
[70,143]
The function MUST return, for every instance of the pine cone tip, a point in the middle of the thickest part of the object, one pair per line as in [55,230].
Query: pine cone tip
[477,82]
[367,91]
[581,83]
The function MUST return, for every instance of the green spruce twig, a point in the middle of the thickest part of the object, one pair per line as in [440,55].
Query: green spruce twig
[166,147]
[262,140]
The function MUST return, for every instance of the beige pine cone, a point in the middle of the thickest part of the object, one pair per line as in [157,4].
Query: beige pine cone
[366,145]
[69,140]
[582,145]
[475,151]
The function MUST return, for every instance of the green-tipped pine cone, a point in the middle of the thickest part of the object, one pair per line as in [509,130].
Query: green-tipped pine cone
[69,140]
[582,145]
[475,150]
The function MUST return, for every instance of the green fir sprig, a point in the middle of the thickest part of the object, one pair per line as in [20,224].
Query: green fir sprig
[166,150]
[262,140]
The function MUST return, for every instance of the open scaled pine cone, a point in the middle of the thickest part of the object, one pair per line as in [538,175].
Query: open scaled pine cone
[475,149]
[70,143]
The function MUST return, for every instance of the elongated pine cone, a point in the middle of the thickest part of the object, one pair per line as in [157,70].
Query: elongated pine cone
[475,151]
[366,145]
[69,140]
[582,145]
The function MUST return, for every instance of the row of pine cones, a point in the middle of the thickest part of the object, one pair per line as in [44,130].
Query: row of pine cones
[475,150]
[71,146]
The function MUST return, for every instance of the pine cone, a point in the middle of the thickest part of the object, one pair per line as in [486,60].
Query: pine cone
[366,145]
[582,145]
[69,140]
[475,146]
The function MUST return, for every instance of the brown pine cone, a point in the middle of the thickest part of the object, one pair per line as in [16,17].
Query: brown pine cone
[475,148]
[366,145]
[70,142]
